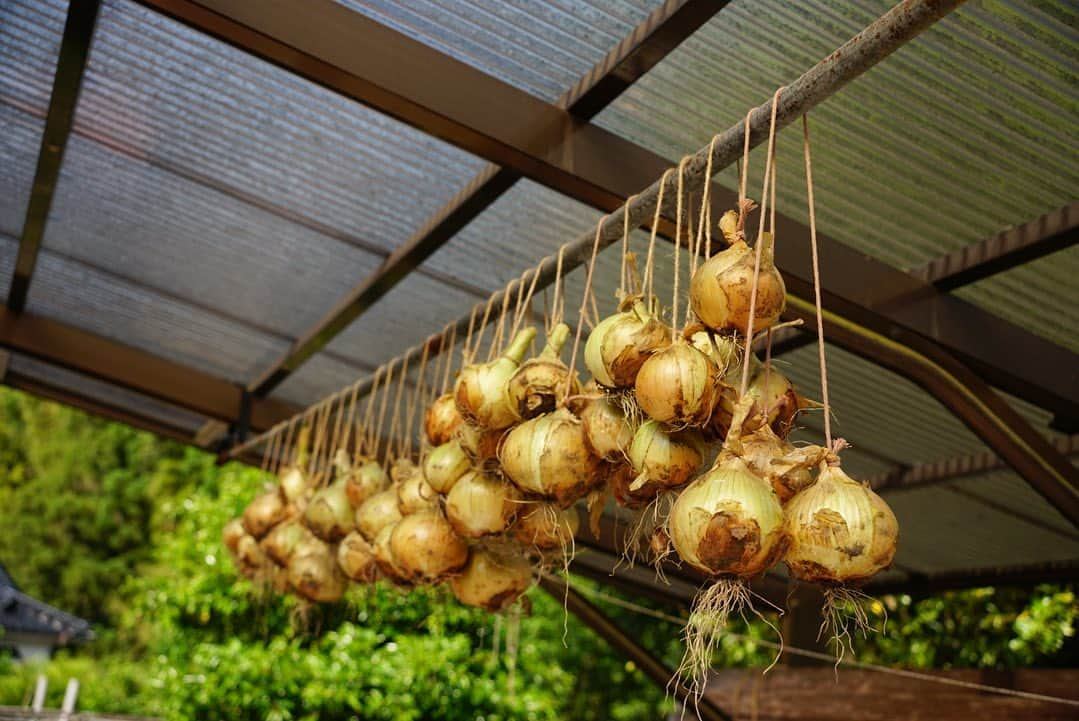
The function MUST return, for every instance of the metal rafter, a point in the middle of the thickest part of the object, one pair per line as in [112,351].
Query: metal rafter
[74,50]
[639,52]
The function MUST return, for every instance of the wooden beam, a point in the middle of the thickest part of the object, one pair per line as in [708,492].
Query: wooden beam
[74,50]
[649,43]
[1007,249]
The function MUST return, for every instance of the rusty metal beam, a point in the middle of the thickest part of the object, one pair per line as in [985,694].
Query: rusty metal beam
[1007,249]
[74,50]
[609,631]
[79,350]
[640,51]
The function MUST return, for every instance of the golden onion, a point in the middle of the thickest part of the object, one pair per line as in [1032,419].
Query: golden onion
[481,505]
[678,385]
[721,289]
[280,543]
[365,479]
[377,512]
[549,457]
[540,384]
[426,548]
[444,465]
[314,574]
[441,419]
[265,512]
[492,580]
[480,391]
[329,514]
[619,344]
[356,557]
[665,458]
[232,533]
[546,527]
[606,427]
[415,494]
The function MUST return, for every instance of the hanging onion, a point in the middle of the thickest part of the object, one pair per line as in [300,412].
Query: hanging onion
[480,444]
[621,479]
[728,522]
[294,486]
[721,289]
[606,428]
[546,527]
[481,505]
[678,385]
[492,580]
[384,559]
[621,343]
[232,533]
[250,558]
[265,512]
[841,532]
[775,401]
[402,469]
[377,512]
[441,419]
[314,574]
[365,480]
[356,557]
[550,458]
[784,467]
[665,458]
[280,543]
[444,465]
[539,385]
[480,391]
[426,548]
[329,515]
[415,494]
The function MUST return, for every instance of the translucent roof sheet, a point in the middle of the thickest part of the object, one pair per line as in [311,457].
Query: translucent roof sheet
[540,46]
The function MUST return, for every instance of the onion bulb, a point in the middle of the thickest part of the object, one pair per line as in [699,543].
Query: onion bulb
[294,486]
[415,494]
[265,512]
[384,558]
[665,458]
[621,478]
[728,522]
[365,480]
[606,428]
[402,469]
[480,391]
[329,515]
[492,580]
[550,458]
[232,533]
[619,344]
[377,512]
[481,505]
[785,467]
[314,574]
[678,385]
[721,289]
[841,532]
[539,385]
[426,548]
[444,465]
[441,419]
[480,444]
[356,557]
[280,543]
[250,558]
[775,402]
[546,527]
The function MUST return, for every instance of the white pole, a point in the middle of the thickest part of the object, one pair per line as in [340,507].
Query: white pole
[40,688]
[71,693]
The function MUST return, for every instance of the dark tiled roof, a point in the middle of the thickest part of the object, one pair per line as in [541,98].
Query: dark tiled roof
[19,612]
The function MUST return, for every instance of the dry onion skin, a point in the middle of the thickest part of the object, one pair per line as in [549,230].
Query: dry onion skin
[491,580]
[356,557]
[665,458]
[481,505]
[426,548]
[445,465]
[548,457]
[377,512]
[606,428]
[280,543]
[415,494]
[619,344]
[620,479]
[841,532]
[721,289]
[539,385]
[480,391]
[265,512]
[314,574]
[785,467]
[441,419]
[480,444]
[329,514]
[546,527]
[678,385]
[365,479]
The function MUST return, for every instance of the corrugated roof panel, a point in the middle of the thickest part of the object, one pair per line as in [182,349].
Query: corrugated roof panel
[97,390]
[963,131]
[1004,488]
[539,46]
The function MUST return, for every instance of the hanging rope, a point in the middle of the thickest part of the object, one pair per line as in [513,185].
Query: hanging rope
[584,304]
[816,287]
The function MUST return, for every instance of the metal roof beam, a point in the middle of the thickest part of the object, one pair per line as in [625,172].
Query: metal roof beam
[638,53]
[1007,249]
[74,50]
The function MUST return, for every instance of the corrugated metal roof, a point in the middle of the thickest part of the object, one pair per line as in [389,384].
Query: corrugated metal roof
[539,46]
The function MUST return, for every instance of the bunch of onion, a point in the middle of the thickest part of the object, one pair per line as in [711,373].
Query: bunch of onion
[445,465]
[281,542]
[606,427]
[545,527]
[728,523]
[414,494]
[548,458]
[678,385]
[480,391]
[378,512]
[721,289]
[425,547]
[314,574]
[265,511]
[539,385]
[841,535]
[441,419]
[620,344]
[329,513]
[356,557]
[480,504]
[365,478]
[664,458]
[493,578]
